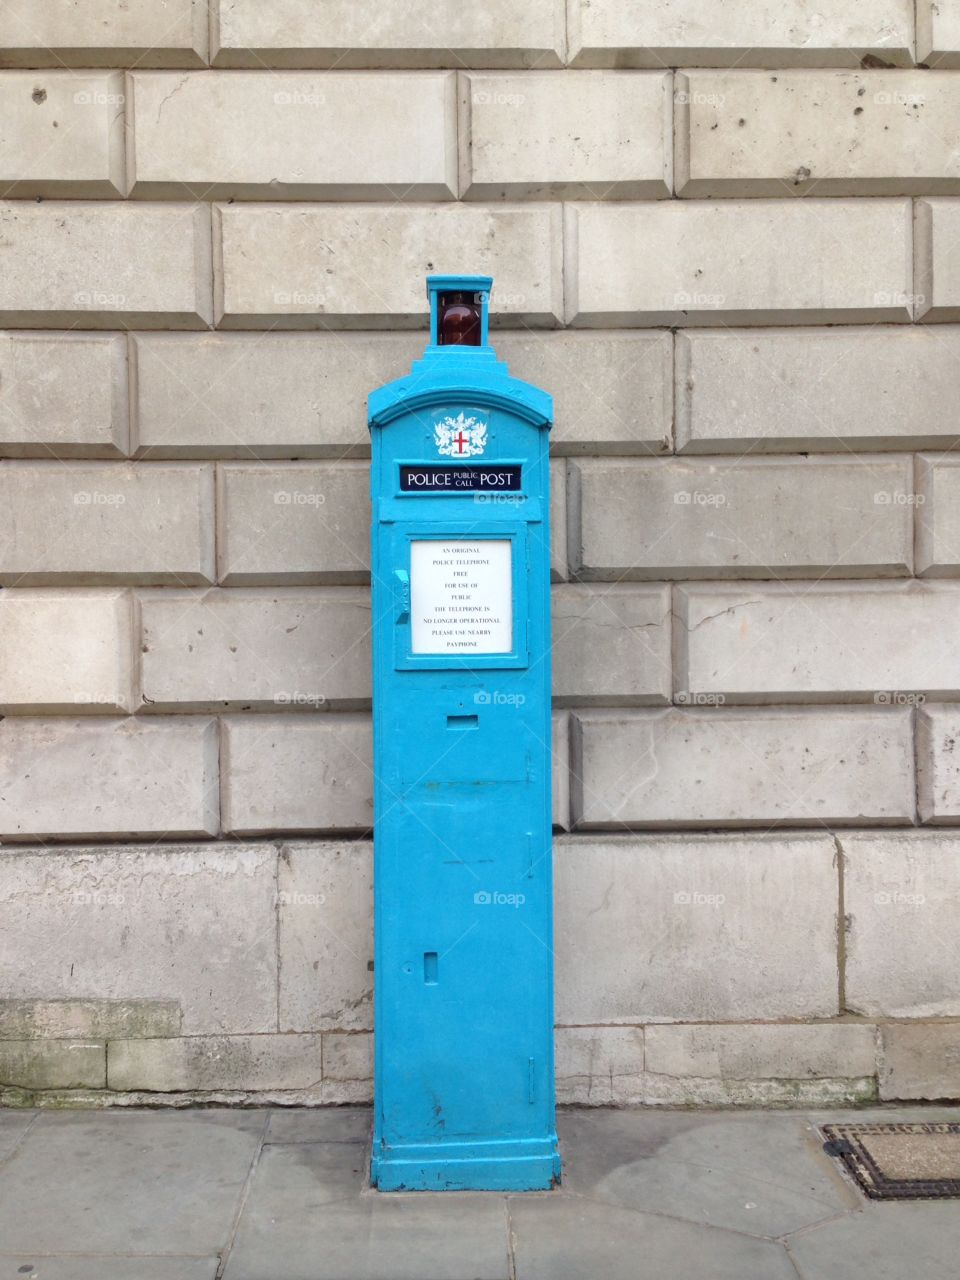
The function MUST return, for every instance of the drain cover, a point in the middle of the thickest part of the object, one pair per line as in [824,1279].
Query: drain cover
[899,1161]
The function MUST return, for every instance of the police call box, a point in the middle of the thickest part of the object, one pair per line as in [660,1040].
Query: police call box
[463,982]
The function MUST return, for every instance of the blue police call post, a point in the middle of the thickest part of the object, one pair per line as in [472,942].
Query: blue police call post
[463,971]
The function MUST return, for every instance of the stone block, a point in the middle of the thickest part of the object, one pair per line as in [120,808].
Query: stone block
[740,767]
[68,651]
[744,518]
[559,565]
[920,1061]
[825,133]
[265,395]
[52,1064]
[900,893]
[678,928]
[560,757]
[599,1066]
[297,773]
[611,645]
[347,1067]
[105,265]
[761,1063]
[106,522]
[80,1019]
[682,33]
[62,134]
[63,395]
[102,778]
[938,516]
[213,1063]
[938,764]
[362,267]
[937,257]
[612,392]
[365,33]
[325,896]
[296,523]
[837,642]
[194,924]
[591,135]
[268,135]
[822,390]
[100,33]
[253,649]
[684,262]
[938,33]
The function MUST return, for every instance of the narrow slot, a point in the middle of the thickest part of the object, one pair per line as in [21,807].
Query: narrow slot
[430,968]
[463,722]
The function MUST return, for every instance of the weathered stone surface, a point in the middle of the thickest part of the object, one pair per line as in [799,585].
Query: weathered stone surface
[680,262]
[54,33]
[88,1019]
[678,928]
[744,518]
[193,924]
[297,773]
[52,1064]
[315,773]
[303,522]
[849,642]
[738,767]
[326,937]
[240,1063]
[67,651]
[938,763]
[344,267]
[900,894]
[599,1066]
[363,33]
[584,135]
[256,649]
[839,133]
[772,391]
[559,529]
[762,1063]
[63,395]
[268,395]
[347,1067]
[938,33]
[275,395]
[105,265]
[104,778]
[612,392]
[106,522]
[682,33]
[289,135]
[936,231]
[62,134]
[938,516]
[611,645]
[920,1061]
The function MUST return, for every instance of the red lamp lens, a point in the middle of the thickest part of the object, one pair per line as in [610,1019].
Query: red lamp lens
[458,321]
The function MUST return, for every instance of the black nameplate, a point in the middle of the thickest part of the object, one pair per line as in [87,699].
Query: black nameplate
[471,477]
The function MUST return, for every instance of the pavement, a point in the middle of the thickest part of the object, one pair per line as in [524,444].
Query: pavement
[281,1194]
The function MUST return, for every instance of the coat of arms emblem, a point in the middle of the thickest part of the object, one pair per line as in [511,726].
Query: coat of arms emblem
[460,437]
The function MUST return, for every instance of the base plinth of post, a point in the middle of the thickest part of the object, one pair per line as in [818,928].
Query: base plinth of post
[524,1164]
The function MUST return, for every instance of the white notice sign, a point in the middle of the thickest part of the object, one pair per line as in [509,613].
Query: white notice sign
[461,595]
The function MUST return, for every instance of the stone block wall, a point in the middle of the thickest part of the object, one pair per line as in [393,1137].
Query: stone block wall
[727,239]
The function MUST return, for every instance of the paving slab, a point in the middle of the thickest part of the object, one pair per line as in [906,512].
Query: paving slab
[43,1267]
[13,1125]
[329,1124]
[889,1241]
[127,1182]
[570,1238]
[307,1217]
[760,1173]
